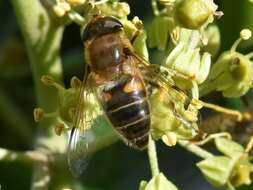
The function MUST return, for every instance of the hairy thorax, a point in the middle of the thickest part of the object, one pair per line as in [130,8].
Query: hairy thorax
[106,53]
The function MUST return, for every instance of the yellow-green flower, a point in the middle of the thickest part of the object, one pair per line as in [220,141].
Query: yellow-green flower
[187,59]
[164,121]
[159,182]
[193,14]
[231,169]
[232,74]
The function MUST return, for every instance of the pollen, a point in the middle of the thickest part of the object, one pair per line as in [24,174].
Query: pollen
[38,114]
[59,128]
[170,139]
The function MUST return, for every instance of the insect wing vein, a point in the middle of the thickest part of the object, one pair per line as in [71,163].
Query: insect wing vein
[154,75]
[86,112]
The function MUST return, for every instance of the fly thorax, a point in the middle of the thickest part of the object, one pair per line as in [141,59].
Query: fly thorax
[106,53]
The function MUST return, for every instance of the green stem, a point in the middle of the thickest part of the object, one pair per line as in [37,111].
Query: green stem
[24,157]
[195,149]
[77,18]
[42,38]
[153,157]
[235,45]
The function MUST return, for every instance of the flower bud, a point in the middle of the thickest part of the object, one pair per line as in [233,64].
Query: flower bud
[158,182]
[216,170]
[193,14]
[234,168]
[232,75]
[242,173]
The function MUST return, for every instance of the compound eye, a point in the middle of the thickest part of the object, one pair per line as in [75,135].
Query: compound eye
[112,24]
[101,26]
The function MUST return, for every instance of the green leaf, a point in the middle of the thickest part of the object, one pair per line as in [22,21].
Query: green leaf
[228,147]
[159,182]
[216,169]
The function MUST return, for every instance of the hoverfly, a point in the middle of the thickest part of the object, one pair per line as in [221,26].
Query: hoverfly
[116,76]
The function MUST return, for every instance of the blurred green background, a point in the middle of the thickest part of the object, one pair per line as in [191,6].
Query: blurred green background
[116,167]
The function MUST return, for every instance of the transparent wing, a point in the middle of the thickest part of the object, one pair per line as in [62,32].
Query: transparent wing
[80,137]
[161,78]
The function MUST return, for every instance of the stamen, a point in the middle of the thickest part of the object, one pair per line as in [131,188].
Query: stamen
[49,81]
[245,34]
[217,108]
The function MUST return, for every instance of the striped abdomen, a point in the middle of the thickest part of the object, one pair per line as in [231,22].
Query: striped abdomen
[126,106]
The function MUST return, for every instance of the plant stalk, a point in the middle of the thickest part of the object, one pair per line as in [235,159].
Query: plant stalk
[42,38]
[195,149]
[30,157]
[152,154]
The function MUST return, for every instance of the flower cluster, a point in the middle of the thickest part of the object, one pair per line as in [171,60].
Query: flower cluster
[182,31]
